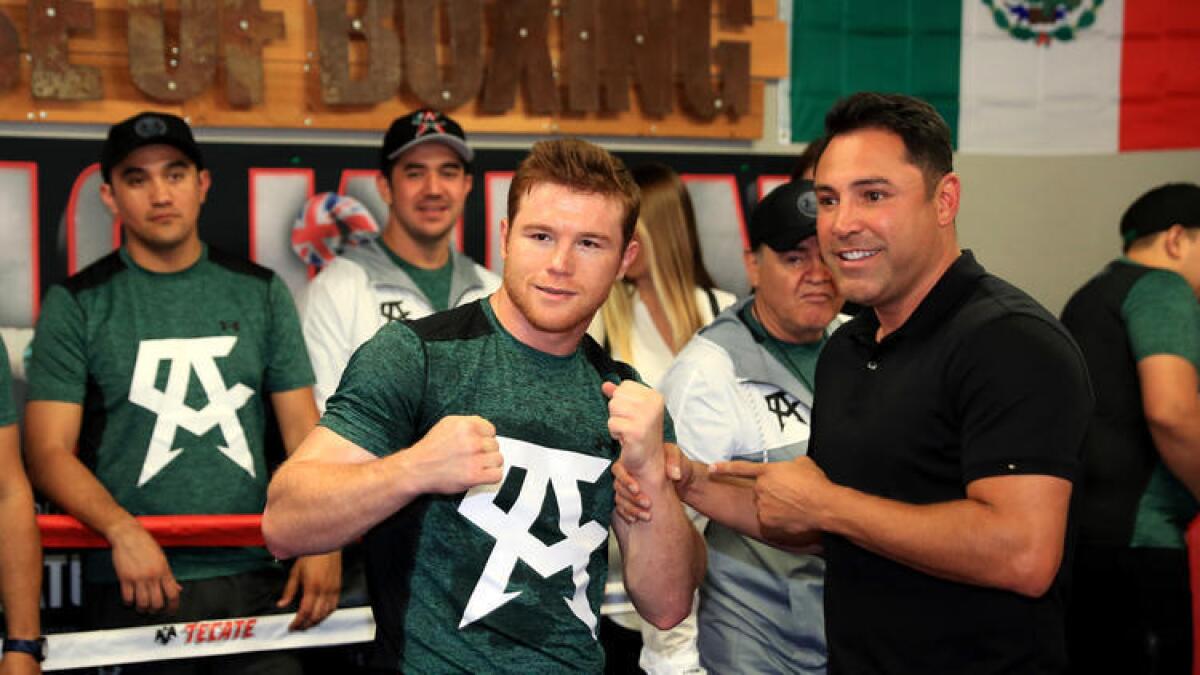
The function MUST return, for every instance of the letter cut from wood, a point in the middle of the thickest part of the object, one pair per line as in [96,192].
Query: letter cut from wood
[192,69]
[50,25]
[10,54]
[695,65]
[733,58]
[245,28]
[521,48]
[580,37]
[737,13]
[464,72]
[637,37]
[384,71]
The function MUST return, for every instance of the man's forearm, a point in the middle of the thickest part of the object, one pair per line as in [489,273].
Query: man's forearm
[317,507]
[1178,443]
[1172,407]
[966,540]
[664,558]
[20,560]
[729,501]
[725,500]
[75,489]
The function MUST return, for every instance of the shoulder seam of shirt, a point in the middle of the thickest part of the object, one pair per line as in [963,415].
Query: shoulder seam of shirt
[239,265]
[96,274]
[465,322]
[603,363]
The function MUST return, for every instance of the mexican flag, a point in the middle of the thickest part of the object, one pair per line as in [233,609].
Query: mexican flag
[1010,76]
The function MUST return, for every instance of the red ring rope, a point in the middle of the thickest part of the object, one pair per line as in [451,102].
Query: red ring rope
[168,531]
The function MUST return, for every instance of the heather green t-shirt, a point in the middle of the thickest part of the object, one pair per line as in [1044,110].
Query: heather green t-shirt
[8,412]
[173,372]
[435,284]
[500,579]
[1162,316]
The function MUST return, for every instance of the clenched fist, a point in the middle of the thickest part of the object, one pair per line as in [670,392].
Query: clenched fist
[457,454]
[635,420]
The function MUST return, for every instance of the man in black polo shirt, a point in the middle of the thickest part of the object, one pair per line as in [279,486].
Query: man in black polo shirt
[947,431]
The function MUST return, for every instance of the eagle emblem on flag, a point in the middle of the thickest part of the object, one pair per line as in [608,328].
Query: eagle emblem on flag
[1044,21]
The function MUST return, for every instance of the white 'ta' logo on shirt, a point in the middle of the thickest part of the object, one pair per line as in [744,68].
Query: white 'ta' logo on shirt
[186,355]
[543,466]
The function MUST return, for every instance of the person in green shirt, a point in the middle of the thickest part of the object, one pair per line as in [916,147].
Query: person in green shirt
[158,362]
[473,449]
[1138,325]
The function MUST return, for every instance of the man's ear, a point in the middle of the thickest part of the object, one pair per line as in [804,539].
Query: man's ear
[627,258]
[751,260]
[946,196]
[384,187]
[109,199]
[205,180]
[504,238]
[1175,241]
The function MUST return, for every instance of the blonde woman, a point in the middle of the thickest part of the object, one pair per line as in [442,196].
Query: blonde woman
[666,296]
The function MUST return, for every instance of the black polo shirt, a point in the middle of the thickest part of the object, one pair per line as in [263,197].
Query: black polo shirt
[980,381]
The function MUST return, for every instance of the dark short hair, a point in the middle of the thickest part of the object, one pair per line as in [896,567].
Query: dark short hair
[808,159]
[580,166]
[925,134]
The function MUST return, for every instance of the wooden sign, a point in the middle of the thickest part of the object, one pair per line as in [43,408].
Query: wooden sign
[671,68]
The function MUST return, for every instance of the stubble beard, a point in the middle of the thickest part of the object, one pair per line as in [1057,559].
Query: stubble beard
[520,297]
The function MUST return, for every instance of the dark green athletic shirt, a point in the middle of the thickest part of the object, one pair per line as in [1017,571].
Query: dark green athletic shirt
[172,371]
[495,580]
[1124,314]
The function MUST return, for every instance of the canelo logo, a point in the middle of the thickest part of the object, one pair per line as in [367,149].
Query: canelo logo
[186,356]
[545,468]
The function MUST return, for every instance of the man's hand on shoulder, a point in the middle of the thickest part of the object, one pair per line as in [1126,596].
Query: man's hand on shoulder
[457,454]
[147,582]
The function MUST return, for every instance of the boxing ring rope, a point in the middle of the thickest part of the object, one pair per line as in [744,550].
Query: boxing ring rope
[189,639]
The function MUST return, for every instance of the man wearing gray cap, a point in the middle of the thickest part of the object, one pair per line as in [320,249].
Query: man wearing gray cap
[742,390]
[1138,324]
[411,271]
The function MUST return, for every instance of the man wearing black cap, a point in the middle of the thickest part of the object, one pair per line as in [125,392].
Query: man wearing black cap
[156,362]
[742,389]
[411,270]
[1138,324]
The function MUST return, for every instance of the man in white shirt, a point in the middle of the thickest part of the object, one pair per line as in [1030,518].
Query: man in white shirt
[410,271]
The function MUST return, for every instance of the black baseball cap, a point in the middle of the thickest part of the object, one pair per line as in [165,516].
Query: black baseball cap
[1159,209]
[422,126]
[785,217]
[147,128]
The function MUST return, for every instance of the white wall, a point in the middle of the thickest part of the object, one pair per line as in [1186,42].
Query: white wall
[1047,224]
